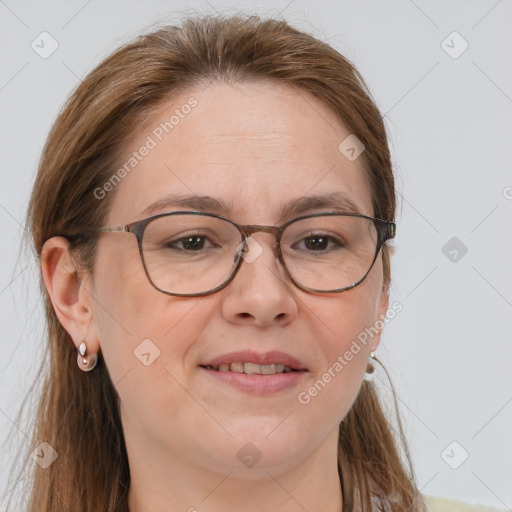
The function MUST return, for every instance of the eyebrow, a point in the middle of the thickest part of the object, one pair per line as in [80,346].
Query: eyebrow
[335,201]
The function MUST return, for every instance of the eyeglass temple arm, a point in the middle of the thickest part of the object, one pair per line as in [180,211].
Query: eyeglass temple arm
[111,229]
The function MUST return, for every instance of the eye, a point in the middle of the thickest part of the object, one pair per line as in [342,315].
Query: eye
[318,242]
[192,243]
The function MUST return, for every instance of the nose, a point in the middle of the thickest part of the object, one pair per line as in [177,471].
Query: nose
[261,294]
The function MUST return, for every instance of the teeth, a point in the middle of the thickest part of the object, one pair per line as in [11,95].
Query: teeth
[252,368]
[268,369]
[235,367]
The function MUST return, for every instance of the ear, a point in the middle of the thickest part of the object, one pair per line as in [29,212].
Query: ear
[68,293]
[382,309]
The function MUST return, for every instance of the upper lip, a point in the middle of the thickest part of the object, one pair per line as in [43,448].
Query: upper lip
[249,356]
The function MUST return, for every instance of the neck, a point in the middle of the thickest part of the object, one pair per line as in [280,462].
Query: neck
[161,481]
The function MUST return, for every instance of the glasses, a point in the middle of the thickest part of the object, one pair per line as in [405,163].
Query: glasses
[191,253]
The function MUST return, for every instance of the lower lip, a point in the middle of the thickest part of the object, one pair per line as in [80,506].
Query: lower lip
[258,384]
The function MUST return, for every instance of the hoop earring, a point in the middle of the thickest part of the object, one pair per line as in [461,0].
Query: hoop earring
[85,362]
[370,369]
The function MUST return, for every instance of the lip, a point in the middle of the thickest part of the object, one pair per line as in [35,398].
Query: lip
[257,384]
[250,356]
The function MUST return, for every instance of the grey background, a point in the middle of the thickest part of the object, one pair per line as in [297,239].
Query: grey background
[449,351]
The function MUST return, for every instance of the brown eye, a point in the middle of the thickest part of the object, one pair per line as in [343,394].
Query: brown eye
[191,243]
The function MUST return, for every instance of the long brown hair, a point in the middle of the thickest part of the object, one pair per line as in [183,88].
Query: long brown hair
[78,413]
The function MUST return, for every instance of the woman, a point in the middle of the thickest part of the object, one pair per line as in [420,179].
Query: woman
[212,212]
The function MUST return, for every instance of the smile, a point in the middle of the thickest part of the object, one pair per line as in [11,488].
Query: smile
[251,368]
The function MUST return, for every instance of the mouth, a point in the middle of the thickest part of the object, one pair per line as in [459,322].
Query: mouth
[255,373]
[252,368]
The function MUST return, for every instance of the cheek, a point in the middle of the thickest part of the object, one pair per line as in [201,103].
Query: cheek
[138,326]
[149,364]
[146,338]
[348,319]
[346,331]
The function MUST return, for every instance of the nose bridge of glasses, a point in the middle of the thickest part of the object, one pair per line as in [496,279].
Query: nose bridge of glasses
[255,228]
[252,229]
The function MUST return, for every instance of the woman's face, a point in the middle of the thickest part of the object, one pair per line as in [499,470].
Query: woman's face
[257,148]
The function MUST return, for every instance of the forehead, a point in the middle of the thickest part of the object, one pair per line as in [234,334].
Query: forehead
[253,146]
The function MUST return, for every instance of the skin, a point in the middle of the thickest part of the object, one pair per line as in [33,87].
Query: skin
[257,146]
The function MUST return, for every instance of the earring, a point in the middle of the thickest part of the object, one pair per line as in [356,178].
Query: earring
[370,369]
[85,362]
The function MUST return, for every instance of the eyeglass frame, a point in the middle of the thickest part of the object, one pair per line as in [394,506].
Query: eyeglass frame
[386,230]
